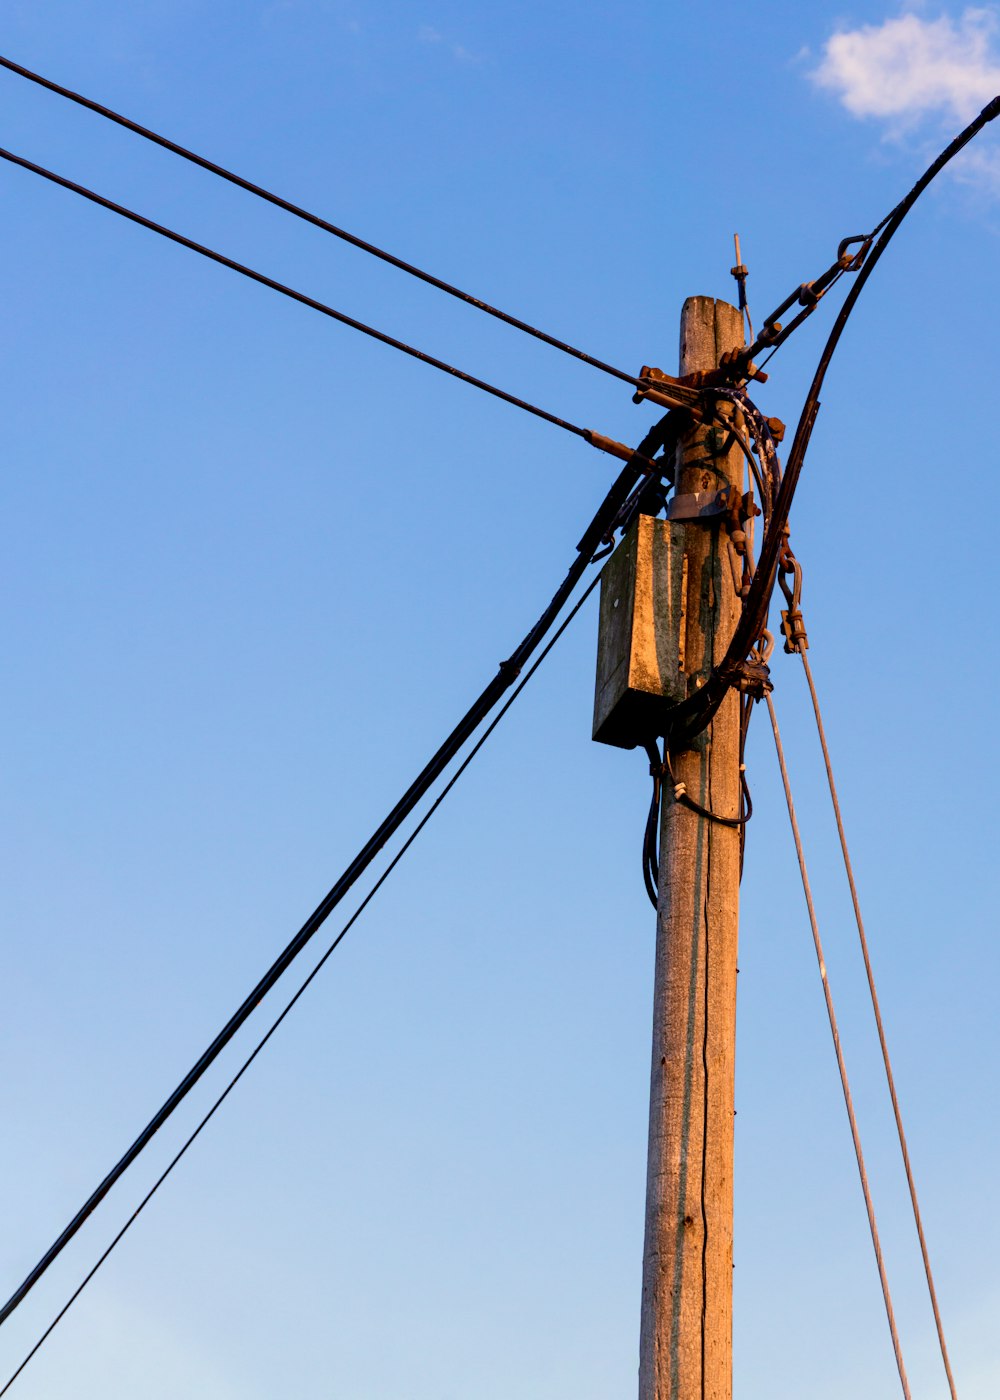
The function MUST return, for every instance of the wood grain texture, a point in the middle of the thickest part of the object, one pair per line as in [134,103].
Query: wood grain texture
[686,1327]
[638,656]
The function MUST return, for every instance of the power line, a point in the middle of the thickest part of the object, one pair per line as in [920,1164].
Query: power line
[663,433]
[309,218]
[841,1066]
[883,1043]
[586,433]
[692,715]
[231,1085]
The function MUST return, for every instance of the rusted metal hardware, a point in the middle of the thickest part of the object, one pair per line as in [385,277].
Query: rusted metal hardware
[668,391]
[735,364]
[752,677]
[606,444]
[793,627]
[732,367]
[691,717]
[735,505]
[739,509]
[668,399]
[739,364]
[741,274]
[809,294]
[793,630]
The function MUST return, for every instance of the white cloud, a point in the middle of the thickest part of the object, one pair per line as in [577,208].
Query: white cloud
[980,167]
[910,67]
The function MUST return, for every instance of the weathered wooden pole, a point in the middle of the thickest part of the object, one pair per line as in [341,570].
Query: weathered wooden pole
[686,1329]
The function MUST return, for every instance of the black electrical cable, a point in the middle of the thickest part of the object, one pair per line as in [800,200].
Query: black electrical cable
[659,767]
[682,796]
[309,218]
[330,950]
[746,800]
[593,537]
[690,716]
[286,291]
[650,842]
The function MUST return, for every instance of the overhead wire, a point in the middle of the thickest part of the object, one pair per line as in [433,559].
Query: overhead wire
[298,212]
[841,1065]
[883,1043]
[687,718]
[690,716]
[659,763]
[509,670]
[586,433]
[330,950]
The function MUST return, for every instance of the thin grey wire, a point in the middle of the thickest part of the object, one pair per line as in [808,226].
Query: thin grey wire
[841,1066]
[890,1078]
[329,951]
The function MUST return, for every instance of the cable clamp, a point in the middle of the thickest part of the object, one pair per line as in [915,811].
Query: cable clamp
[792,626]
[793,630]
[753,677]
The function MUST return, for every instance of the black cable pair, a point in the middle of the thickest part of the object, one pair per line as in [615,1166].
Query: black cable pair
[660,768]
[663,434]
[314,219]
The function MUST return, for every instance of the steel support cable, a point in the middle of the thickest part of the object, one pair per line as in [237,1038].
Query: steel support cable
[595,439]
[289,208]
[690,716]
[890,1078]
[507,674]
[328,953]
[841,1066]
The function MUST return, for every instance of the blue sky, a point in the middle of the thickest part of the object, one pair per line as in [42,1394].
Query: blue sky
[255,567]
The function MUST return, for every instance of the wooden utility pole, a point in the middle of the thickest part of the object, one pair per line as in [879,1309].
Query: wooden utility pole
[686,1330]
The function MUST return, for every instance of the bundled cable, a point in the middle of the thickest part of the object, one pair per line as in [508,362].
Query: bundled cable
[594,536]
[692,715]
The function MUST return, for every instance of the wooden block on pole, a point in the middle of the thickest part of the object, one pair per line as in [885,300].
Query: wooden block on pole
[640,648]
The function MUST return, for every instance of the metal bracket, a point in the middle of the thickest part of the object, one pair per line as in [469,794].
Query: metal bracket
[709,505]
[699,505]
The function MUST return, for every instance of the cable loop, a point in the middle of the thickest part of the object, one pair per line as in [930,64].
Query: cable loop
[792,625]
[682,796]
[765,646]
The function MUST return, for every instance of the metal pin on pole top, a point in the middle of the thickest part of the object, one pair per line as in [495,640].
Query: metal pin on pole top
[739,268]
[741,274]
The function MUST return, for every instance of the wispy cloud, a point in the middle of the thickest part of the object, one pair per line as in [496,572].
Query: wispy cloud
[909,67]
[920,77]
[427,34]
